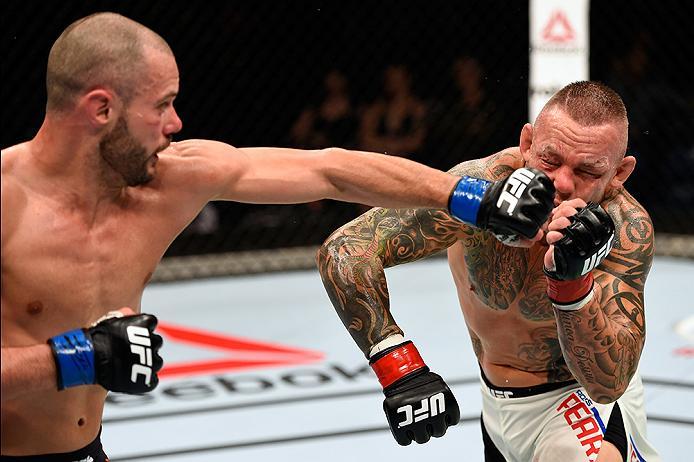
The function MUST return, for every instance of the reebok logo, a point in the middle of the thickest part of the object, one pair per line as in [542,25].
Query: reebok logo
[430,407]
[597,257]
[514,188]
[558,29]
[140,344]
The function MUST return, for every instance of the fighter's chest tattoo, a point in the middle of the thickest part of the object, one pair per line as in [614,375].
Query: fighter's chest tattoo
[496,271]
[501,275]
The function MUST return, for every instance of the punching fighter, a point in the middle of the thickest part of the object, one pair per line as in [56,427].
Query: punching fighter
[90,205]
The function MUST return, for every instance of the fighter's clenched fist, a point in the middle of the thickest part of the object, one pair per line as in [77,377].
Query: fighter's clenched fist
[120,353]
[580,236]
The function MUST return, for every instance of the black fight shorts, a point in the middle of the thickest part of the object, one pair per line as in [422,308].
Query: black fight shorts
[93,452]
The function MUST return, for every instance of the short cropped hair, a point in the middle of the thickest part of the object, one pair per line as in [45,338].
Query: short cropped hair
[104,49]
[589,103]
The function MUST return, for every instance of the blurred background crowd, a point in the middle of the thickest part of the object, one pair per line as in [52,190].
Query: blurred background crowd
[439,82]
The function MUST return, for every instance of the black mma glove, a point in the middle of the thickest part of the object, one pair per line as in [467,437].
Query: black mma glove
[516,206]
[418,402]
[120,353]
[586,242]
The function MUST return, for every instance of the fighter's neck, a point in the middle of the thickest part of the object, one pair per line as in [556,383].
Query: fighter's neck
[69,164]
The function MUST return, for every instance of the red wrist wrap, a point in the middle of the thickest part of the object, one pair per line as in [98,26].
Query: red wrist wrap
[568,292]
[397,364]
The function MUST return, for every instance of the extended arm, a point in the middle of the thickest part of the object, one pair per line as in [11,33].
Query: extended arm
[283,176]
[602,341]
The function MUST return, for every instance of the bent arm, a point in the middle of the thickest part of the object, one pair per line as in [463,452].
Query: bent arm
[283,176]
[27,370]
[352,260]
[602,342]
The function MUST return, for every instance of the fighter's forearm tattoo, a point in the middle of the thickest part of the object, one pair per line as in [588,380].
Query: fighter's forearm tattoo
[602,342]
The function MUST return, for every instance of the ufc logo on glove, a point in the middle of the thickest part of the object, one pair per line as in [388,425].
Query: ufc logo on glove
[437,404]
[113,353]
[516,184]
[418,402]
[597,257]
[140,344]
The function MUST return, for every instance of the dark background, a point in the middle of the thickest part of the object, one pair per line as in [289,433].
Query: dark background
[249,69]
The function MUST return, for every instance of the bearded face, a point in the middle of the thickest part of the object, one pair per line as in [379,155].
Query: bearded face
[125,155]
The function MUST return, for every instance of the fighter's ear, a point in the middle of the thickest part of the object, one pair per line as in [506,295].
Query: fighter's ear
[626,166]
[526,141]
[98,105]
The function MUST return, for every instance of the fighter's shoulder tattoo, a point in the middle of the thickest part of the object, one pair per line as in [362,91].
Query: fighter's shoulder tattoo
[621,278]
[634,246]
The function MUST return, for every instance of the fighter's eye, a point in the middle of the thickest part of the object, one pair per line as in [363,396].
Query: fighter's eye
[590,174]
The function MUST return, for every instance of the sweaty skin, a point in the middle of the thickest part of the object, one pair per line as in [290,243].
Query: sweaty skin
[518,337]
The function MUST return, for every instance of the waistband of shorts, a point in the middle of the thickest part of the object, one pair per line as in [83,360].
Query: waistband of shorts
[92,449]
[522,392]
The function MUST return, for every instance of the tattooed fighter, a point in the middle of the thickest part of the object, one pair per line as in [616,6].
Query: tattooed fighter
[556,318]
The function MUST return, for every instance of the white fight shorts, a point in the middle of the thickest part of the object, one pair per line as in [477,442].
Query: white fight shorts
[547,424]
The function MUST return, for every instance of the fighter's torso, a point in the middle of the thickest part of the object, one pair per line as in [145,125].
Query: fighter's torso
[511,323]
[62,270]
[502,292]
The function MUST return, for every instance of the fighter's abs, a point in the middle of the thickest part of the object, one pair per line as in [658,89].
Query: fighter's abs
[511,322]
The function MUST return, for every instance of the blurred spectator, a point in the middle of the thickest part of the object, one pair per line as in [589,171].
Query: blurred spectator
[394,123]
[660,134]
[462,126]
[330,122]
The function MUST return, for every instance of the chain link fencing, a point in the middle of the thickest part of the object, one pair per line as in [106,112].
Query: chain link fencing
[437,81]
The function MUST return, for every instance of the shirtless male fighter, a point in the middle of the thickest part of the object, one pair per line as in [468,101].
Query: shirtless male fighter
[92,202]
[556,321]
